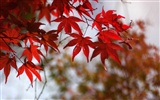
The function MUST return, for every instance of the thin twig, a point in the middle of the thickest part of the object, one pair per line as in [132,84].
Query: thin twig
[30,85]
[63,40]
[35,88]
[89,20]
[45,82]
[86,29]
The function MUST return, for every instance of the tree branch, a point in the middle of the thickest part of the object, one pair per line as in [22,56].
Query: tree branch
[45,82]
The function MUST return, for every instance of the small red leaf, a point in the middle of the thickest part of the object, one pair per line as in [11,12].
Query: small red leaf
[104,56]
[105,50]
[21,70]
[7,69]
[27,53]
[86,52]
[108,35]
[6,62]
[45,12]
[115,46]
[36,73]
[5,46]
[71,43]
[76,27]
[29,74]
[30,68]
[95,52]
[125,27]
[113,54]
[67,23]
[31,52]
[81,43]
[48,40]
[67,28]
[76,50]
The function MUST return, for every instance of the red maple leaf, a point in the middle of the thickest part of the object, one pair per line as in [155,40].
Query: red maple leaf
[83,9]
[80,42]
[8,37]
[60,7]
[33,26]
[45,12]
[31,52]
[108,35]
[5,46]
[97,22]
[48,40]
[30,69]
[67,23]
[110,18]
[7,62]
[18,26]
[105,50]
[11,36]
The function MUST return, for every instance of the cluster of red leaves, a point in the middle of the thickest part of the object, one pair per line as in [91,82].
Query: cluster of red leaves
[19,28]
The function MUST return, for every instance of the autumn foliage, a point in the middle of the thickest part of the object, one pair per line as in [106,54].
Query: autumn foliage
[136,78]
[20,30]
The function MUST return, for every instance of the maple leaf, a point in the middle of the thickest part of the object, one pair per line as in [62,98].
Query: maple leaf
[121,27]
[31,52]
[5,46]
[48,39]
[11,36]
[6,63]
[110,18]
[68,23]
[80,42]
[18,25]
[30,69]
[105,50]
[33,26]
[45,12]
[31,37]
[8,37]
[97,22]
[108,35]
[59,7]
[83,9]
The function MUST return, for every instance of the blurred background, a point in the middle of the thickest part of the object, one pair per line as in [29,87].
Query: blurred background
[137,78]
